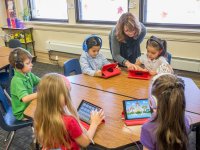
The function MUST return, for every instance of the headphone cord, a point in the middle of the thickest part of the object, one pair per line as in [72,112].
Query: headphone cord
[132,138]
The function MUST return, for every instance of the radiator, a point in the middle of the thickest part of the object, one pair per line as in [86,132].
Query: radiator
[177,63]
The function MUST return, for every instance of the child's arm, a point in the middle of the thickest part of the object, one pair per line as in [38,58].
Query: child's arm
[29,97]
[85,67]
[138,64]
[98,73]
[96,118]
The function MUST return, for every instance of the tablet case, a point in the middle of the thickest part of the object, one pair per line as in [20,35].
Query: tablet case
[134,122]
[139,74]
[110,70]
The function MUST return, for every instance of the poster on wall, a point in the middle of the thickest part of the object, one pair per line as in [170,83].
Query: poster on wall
[11,13]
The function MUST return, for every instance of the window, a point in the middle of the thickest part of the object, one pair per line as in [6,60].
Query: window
[49,10]
[174,13]
[101,10]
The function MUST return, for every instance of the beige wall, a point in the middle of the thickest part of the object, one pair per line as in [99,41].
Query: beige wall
[2,19]
[182,43]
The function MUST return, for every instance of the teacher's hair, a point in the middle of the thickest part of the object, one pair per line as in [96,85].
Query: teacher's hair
[129,20]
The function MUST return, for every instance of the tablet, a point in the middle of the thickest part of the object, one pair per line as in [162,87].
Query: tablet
[110,70]
[85,109]
[136,109]
[139,74]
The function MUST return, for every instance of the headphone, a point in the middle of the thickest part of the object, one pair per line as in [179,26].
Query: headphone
[18,62]
[155,39]
[153,101]
[85,46]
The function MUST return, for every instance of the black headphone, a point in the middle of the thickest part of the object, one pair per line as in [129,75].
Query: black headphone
[155,39]
[18,62]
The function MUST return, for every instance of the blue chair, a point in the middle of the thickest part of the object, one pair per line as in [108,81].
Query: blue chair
[7,121]
[168,56]
[72,66]
[6,76]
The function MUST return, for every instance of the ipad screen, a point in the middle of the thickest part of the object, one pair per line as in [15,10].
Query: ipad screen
[137,109]
[85,109]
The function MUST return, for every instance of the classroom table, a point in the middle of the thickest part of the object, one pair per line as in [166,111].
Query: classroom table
[135,88]
[4,51]
[120,85]
[4,55]
[111,134]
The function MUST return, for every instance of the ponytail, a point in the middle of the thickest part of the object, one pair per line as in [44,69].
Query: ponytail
[171,131]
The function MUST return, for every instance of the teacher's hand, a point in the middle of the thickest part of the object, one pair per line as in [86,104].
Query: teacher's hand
[130,66]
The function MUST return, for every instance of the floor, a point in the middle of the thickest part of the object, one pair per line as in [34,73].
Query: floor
[23,138]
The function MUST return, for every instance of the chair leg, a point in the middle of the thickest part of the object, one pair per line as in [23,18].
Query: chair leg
[10,141]
[7,136]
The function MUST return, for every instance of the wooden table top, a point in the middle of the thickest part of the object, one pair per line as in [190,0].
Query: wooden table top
[4,51]
[112,133]
[4,62]
[135,88]
[121,84]
[4,54]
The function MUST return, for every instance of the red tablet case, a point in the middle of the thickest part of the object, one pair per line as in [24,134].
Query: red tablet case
[134,122]
[110,70]
[139,74]
[85,125]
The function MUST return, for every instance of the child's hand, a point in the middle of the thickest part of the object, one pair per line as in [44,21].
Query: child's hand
[152,73]
[96,117]
[118,67]
[98,73]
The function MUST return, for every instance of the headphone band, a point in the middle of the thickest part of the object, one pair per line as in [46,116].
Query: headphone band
[85,46]
[155,39]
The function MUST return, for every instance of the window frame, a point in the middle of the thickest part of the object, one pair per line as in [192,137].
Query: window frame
[142,17]
[93,21]
[45,19]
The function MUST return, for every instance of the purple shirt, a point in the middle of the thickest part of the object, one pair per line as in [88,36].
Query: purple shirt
[148,135]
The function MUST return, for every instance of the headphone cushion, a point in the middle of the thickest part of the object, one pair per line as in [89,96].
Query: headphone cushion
[19,65]
[153,102]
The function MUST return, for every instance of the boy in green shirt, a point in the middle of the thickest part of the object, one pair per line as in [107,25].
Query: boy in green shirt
[23,82]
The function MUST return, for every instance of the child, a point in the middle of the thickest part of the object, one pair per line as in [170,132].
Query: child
[91,60]
[153,61]
[56,121]
[168,127]
[23,82]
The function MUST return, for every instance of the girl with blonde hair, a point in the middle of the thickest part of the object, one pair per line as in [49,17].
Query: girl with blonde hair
[56,120]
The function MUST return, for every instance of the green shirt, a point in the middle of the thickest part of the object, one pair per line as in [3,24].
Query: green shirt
[21,86]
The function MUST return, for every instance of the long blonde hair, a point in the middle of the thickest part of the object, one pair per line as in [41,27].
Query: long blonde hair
[129,20]
[49,126]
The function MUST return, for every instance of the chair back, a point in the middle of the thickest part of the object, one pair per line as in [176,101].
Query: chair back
[4,108]
[168,56]
[3,100]
[71,66]
[14,43]
[8,122]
